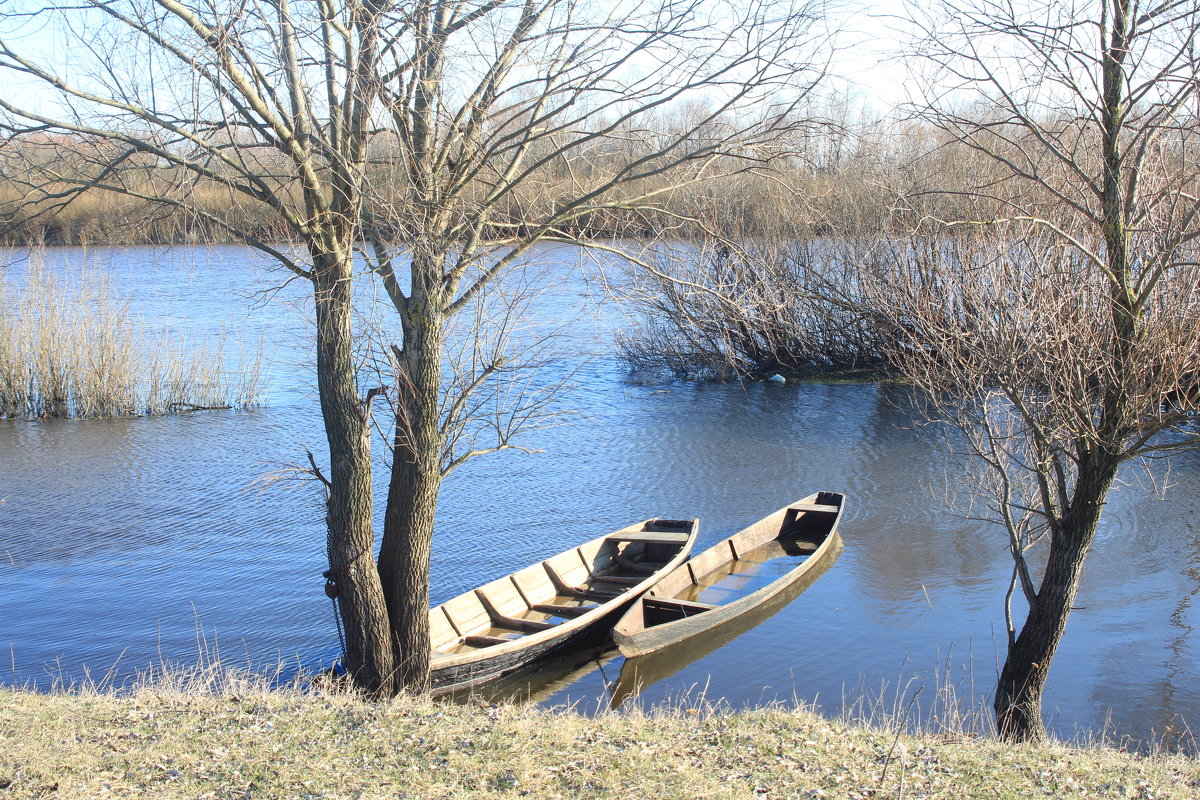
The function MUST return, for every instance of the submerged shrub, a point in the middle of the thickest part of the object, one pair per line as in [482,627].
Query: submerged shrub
[709,310]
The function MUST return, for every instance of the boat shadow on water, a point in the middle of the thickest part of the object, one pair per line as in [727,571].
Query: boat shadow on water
[540,681]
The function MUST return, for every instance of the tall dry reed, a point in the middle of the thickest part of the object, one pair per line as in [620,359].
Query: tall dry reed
[74,350]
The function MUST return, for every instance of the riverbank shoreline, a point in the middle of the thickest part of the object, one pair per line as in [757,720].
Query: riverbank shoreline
[168,743]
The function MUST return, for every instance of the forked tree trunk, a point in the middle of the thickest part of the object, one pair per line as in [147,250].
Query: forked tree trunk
[368,655]
[1018,701]
[404,557]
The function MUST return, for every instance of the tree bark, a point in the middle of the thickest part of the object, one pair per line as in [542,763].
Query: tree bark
[404,562]
[368,657]
[404,557]
[1018,701]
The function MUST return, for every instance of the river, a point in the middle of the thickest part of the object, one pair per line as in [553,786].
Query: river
[130,543]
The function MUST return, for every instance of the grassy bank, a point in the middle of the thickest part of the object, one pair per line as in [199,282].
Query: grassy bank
[168,744]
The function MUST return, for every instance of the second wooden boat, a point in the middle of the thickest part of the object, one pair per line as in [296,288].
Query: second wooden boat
[569,600]
[642,671]
[734,576]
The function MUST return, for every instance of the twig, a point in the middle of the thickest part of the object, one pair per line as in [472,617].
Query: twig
[317,470]
[896,741]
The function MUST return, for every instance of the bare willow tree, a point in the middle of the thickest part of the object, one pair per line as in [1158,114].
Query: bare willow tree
[387,137]
[1061,335]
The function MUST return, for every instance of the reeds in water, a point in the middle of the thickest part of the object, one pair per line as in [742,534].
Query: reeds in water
[75,351]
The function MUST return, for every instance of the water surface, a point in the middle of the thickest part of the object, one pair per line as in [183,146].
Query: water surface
[132,542]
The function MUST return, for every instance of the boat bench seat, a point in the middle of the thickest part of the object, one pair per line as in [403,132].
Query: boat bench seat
[586,593]
[484,641]
[674,604]
[522,625]
[502,620]
[661,610]
[645,567]
[824,509]
[651,537]
[621,580]
[582,592]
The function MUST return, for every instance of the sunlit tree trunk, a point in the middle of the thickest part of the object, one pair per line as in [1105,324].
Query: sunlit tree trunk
[369,657]
[416,476]
[1018,700]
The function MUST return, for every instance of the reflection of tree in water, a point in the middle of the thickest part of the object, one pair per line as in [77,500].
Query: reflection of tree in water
[1172,726]
[1140,593]
[917,541]
[1180,668]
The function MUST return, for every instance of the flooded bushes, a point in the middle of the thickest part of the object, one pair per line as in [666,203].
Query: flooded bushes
[717,310]
[74,351]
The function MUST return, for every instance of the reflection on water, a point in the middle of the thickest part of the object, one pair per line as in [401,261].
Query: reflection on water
[537,682]
[132,541]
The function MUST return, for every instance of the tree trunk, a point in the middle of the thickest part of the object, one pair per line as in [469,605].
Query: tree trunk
[412,503]
[1018,701]
[368,656]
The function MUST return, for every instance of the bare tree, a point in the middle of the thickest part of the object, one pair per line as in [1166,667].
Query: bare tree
[1061,335]
[390,136]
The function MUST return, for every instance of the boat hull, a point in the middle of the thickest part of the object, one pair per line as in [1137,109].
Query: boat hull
[478,672]
[640,671]
[637,633]
[567,602]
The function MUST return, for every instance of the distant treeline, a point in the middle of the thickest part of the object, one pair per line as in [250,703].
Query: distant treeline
[841,175]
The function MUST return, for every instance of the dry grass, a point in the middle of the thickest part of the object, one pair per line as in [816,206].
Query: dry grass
[169,740]
[74,351]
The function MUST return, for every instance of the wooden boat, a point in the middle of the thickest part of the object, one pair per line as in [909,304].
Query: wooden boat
[641,671]
[734,576]
[569,600]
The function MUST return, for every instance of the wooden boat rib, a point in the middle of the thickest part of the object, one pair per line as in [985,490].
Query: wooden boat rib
[686,602]
[566,601]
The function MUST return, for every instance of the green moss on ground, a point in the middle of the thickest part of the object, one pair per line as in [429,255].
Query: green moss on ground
[280,745]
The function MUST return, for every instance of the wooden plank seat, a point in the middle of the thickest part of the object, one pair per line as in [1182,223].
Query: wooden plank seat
[586,593]
[673,604]
[557,610]
[665,610]
[501,620]
[823,509]
[647,567]
[652,537]
[522,625]
[620,580]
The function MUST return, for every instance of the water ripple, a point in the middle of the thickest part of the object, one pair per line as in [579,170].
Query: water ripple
[132,541]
